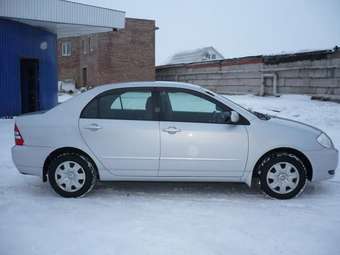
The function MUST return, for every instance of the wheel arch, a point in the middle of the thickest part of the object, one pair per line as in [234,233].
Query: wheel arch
[66,150]
[296,152]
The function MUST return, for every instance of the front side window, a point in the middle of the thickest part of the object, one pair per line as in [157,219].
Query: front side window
[126,105]
[185,106]
[185,102]
[66,49]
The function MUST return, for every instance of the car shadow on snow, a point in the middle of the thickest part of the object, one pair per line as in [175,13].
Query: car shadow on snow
[181,189]
[174,190]
[201,189]
[176,187]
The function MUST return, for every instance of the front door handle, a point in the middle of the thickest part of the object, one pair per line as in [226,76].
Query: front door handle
[93,127]
[171,130]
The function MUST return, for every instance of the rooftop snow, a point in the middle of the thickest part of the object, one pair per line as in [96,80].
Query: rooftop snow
[197,55]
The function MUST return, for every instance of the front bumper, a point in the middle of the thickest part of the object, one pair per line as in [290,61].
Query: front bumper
[324,163]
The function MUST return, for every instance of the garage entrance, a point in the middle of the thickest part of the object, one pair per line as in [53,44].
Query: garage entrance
[29,69]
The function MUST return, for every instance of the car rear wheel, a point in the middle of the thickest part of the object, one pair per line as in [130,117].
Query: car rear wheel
[71,175]
[282,175]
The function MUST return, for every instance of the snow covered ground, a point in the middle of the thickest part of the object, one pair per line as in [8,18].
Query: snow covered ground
[174,218]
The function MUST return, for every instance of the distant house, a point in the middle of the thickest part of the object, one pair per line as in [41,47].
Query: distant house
[193,56]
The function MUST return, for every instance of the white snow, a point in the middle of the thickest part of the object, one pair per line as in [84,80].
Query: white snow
[67,86]
[173,218]
[65,96]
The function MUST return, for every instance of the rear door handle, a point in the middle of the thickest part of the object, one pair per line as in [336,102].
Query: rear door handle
[171,130]
[93,127]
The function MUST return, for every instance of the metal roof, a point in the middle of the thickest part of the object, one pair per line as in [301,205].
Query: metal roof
[61,17]
[272,59]
[198,55]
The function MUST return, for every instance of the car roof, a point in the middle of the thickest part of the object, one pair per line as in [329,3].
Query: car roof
[147,84]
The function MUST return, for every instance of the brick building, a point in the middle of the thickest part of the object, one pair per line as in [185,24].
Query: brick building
[118,56]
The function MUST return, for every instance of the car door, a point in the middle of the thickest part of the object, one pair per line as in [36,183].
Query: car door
[122,130]
[195,139]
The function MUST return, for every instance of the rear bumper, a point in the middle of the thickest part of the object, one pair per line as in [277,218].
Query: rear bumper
[29,159]
[324,163]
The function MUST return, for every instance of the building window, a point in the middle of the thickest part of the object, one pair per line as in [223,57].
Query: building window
[84,46]
[91,46]
[84,74]
[206,56]
[66,49]
[209,56]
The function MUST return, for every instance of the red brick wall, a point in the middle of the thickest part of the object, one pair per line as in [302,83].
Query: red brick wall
[117,56]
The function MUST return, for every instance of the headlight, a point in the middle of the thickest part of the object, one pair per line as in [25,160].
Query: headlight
[324,140]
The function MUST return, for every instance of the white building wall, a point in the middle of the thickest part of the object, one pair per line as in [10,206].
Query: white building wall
[60,11]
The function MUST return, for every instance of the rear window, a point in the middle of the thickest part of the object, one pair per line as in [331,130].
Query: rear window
[123,104]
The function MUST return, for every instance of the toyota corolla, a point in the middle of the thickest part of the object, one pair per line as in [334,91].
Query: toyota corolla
[163,131]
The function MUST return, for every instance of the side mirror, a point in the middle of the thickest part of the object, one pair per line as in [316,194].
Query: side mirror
[229,117]
[234,117]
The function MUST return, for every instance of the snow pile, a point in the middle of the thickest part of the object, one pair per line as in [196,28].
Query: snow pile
[62,97]
[173,218]
[67,86]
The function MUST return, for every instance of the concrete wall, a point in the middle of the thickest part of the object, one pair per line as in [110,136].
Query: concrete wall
[301,74]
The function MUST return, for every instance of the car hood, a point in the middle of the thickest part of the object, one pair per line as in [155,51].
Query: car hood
[288,123]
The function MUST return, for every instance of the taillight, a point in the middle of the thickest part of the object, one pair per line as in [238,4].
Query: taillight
[18,138]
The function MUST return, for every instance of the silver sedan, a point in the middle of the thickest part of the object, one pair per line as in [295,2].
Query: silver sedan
[163,131]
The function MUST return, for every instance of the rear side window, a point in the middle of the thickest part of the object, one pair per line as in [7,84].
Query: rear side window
[131,101]
[91,110]
[122,104]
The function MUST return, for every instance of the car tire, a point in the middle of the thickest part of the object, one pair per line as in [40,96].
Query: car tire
[282,175]
[71,175]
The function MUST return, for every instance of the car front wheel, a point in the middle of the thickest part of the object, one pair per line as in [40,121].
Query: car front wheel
[282,175]
[71,175]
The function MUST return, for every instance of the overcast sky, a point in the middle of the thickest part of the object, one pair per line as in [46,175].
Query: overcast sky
[236,27]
